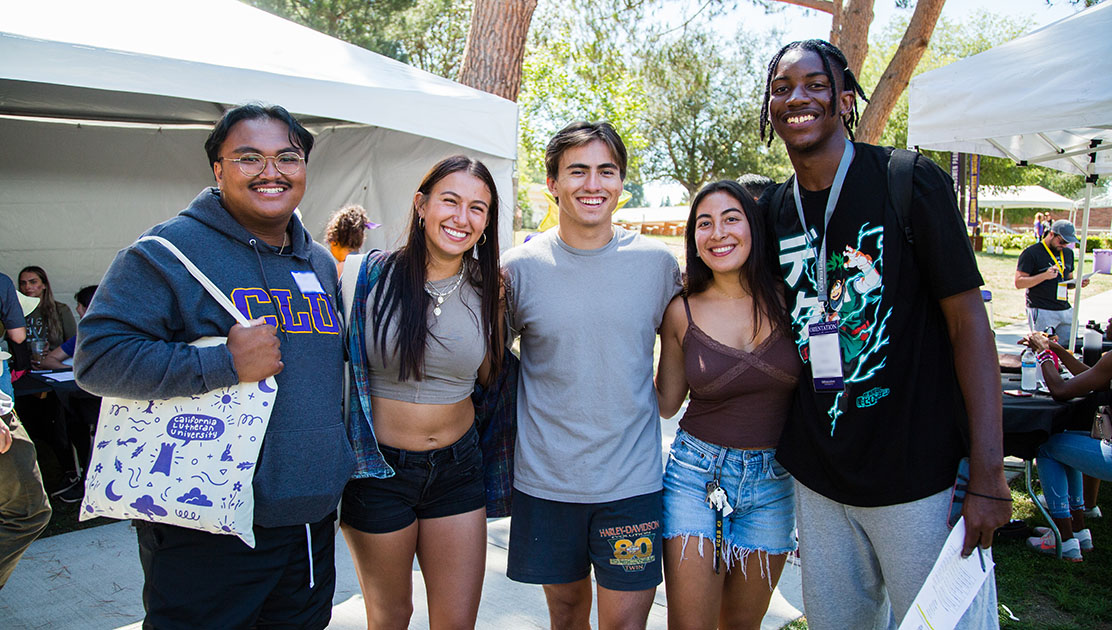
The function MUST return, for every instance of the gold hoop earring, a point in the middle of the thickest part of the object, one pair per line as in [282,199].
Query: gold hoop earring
[421,222]
[482,239]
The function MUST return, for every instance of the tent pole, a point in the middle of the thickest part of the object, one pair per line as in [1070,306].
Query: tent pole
[1081,259]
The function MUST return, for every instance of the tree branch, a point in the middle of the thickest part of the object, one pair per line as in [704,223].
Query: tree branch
[896,76]
[826,6]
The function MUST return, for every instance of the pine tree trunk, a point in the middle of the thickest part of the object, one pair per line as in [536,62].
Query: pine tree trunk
[849,30]
[896,76]
[496,45]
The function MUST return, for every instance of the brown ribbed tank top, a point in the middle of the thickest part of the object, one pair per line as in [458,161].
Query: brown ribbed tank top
[739,399]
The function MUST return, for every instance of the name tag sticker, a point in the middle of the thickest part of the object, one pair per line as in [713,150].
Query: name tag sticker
[307,282]
[826,357]
[1063,291]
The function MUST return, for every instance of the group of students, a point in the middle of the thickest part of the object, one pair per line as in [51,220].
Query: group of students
[861,460]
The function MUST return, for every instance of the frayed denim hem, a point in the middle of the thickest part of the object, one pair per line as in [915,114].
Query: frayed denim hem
[732,554]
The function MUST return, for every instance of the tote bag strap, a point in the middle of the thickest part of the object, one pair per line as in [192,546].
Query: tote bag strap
[202,278]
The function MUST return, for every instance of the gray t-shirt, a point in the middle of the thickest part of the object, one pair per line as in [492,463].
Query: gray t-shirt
[588,422]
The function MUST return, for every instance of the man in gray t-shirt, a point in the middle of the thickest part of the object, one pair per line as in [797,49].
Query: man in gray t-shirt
[586,300]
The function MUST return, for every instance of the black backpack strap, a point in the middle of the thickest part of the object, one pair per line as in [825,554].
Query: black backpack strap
[776,204]
[901,172]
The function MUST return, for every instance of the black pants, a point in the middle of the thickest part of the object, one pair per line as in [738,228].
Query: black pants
[194,579]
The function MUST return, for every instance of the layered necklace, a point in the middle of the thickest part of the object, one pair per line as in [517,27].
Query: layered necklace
[439,295]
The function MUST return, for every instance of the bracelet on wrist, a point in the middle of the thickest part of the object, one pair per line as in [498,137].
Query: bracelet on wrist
[1044,356]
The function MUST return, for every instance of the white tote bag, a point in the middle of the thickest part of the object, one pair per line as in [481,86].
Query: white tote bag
[186,461]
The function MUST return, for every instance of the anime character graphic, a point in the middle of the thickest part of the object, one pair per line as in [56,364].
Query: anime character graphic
[855,287]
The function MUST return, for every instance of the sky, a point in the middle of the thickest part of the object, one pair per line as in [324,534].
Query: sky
[799,23]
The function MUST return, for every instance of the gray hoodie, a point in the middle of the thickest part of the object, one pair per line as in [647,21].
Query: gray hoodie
[133,342]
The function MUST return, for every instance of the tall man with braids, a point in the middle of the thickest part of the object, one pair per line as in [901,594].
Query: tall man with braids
[899,364]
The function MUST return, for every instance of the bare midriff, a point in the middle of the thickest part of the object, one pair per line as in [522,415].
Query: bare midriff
[420,426]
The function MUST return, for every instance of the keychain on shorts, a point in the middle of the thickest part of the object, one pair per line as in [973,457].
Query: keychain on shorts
[720,503]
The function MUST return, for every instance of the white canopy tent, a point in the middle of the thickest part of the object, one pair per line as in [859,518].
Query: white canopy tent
[1003,197]
[1043,98]
[105,106]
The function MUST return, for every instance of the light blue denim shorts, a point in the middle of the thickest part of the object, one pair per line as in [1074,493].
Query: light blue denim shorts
[756,485]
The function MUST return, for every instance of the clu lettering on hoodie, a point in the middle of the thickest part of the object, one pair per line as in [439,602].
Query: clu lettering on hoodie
[318,317]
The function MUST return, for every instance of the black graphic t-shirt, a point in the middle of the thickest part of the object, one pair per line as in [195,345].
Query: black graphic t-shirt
[896,433]
[1035,260]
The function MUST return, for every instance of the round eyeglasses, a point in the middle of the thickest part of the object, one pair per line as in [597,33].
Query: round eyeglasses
[252,164]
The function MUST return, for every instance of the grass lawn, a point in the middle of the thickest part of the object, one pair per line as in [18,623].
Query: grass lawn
[1044,593]
[1008,304]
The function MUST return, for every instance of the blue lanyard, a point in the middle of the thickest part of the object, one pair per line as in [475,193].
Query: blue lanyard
[831,203]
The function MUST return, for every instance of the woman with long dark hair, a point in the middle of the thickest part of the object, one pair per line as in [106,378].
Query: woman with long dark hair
[432,330]
[725,339]
[50,320]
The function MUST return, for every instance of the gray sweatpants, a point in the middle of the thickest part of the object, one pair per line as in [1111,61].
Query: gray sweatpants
[862,567]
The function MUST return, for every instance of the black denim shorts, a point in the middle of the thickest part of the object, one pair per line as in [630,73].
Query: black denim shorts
[426,484]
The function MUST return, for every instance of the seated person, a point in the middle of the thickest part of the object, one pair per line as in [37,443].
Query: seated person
[51,320]
[1066,456]
[59,358]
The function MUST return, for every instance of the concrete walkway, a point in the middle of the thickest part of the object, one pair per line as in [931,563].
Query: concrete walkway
[91,580]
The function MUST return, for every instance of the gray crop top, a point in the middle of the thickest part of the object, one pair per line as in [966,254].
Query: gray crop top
[454,351]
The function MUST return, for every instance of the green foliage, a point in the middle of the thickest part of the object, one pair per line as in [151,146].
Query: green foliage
[432,35]
[427,34]
[703,104]
[357,22]
[952,41]
[574,69]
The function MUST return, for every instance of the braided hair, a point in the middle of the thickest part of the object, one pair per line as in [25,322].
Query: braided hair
[831,57]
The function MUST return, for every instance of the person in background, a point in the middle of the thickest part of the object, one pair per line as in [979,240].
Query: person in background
[24,507]
[1066,456]
[1042,270]
[755,184]
[51,320]
[56,358]
[431,329]
[1039,226]
[49,325]
[344,233]
[727,339]
[13,330]
[79,412]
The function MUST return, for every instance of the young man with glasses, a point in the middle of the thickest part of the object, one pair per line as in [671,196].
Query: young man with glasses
[1043,270]
[134,342]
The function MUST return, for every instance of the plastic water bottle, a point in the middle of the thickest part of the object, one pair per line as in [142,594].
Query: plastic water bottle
[1028,367]
[1091,345]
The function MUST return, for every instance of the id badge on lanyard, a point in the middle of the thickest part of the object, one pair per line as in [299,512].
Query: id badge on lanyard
[1063,291]
[825,346]
[826,357]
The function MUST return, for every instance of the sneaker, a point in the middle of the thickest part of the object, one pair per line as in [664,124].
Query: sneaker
[1093,513]
[73,494]
[1084,537]
[69,482]
[1071,549]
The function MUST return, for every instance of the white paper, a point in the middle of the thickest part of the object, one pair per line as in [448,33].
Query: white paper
[951,585]
[1073,283]
[60,377]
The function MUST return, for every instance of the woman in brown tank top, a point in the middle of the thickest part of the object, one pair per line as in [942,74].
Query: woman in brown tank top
[726,341]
